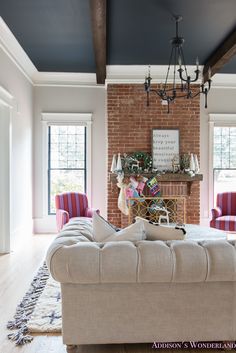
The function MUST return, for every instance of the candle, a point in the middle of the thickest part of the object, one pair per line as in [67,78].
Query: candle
[180,61]
[197,62]
[113,164]
[209,73]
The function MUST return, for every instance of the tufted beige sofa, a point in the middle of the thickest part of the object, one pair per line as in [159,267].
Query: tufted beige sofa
[121,292]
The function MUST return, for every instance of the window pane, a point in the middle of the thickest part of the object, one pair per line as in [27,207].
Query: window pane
[217,131]
[233,131]
[225,131]
[225,163]
[217,162]
[233,163]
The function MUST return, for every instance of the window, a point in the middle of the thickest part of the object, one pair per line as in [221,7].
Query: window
[66,161]
[224,159]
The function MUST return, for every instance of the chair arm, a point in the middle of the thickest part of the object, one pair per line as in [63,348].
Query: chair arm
[216,212]
[62,217]
[89,212]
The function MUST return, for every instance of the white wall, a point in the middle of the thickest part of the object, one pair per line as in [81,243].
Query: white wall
[70,100]
[12,79]
[220,100]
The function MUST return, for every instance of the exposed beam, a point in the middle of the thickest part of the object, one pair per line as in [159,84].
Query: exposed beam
[221,56]
[98,17]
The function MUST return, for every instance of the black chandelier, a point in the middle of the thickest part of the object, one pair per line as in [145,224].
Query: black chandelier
[168,95]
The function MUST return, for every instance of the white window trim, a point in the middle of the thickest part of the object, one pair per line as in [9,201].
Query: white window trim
[216,119]
[7,111]
[84,119]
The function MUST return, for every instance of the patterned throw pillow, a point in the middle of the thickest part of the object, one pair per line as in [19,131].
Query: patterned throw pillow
[157,232]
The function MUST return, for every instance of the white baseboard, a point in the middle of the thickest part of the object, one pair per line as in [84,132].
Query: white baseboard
[21,233]
[25,229]
[45,224]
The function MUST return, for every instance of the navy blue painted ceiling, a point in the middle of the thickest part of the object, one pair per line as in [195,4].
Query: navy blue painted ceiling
[57,34]
[139,31]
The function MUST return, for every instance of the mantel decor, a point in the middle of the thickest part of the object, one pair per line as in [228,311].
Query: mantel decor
[169,95]
[165,148]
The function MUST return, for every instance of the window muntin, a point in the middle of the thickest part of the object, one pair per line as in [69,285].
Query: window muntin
[66,161]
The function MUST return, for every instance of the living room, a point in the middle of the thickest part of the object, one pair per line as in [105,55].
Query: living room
[82,65]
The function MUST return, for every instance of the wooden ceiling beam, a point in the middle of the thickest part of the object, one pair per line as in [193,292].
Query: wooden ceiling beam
[223,54]
[99,23]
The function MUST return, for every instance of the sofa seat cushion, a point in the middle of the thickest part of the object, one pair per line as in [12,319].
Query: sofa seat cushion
[200,233]
[224,223]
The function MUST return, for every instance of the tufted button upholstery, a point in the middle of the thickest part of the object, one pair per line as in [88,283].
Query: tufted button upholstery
[74,258]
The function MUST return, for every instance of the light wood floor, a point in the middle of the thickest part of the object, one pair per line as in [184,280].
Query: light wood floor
[16,272]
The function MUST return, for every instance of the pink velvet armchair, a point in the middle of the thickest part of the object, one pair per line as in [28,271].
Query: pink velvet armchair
[69,205]
[224,214]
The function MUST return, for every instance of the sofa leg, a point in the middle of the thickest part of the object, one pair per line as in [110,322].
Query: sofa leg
[71,348]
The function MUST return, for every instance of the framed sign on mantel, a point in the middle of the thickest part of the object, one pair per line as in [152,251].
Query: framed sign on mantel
[165,147]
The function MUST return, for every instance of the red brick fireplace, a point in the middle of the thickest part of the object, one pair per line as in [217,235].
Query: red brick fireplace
[130,123]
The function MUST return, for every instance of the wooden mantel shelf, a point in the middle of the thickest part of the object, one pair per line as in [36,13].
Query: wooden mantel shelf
[168,177]
[163,177]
